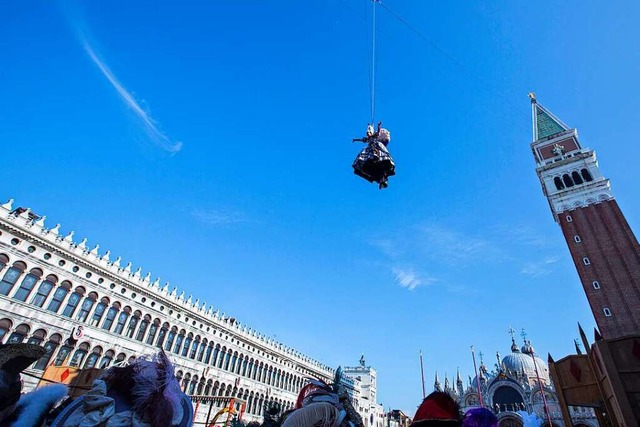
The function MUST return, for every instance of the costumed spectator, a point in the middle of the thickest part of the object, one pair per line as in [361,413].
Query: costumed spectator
[438,409]
[144,393]
[479,417]
[322,405]
[10,387]
[270,418]
[26,410]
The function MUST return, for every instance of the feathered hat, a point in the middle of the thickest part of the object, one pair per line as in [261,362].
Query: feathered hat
[322,404]
[438,409]
[143,393]
[479,417]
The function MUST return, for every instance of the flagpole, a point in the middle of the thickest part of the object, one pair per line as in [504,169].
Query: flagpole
[544,399]
[424,394]
[475,368]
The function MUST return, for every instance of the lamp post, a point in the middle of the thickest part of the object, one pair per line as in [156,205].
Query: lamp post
[424,394]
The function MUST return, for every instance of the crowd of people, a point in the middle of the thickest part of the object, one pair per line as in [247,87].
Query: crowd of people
[146,393]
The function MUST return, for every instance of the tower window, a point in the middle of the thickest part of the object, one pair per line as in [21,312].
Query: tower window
[586,175]
[577,239]
[586,261]
[596,284]
[576,177]
[607,312]
[569,219]
[558,182]
[568,182]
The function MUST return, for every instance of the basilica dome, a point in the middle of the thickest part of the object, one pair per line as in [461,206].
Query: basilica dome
[520,361]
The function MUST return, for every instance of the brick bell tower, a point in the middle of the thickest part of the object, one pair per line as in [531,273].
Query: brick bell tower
[603,247]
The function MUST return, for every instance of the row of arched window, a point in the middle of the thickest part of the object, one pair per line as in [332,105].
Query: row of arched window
[572,179]
[256,403]
[81,306]
[57,351]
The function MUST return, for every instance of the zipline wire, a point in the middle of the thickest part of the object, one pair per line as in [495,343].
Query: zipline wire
[454,60]
[367,36]
[520,112]
[373,60]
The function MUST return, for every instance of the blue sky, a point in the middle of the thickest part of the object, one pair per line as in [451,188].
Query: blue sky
[223,164]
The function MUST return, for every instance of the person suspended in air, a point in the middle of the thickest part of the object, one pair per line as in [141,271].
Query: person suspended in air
[369,136]
[374,163]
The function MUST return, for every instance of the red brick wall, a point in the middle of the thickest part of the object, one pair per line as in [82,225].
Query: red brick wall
[613,250]
[546,151]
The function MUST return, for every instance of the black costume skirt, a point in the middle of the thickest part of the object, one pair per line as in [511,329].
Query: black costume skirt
[374,163]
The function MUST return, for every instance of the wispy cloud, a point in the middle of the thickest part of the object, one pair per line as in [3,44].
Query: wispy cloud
[454,247]
[150,125]
[219,217]
[523,234]
[387,247]
[408,278]
[439,247]
[540,268]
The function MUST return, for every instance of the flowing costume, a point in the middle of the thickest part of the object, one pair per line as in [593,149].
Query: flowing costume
[374,163]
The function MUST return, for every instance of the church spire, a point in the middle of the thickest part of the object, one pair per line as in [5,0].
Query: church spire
[436,383]
[514,346]
[544,122]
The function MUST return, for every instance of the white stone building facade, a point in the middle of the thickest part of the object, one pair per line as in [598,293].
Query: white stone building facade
[52,286]
[366,377]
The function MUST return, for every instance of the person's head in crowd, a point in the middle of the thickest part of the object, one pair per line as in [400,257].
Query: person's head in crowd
[24,410]
[144,393]
[438,409]
[323,405]
[479,417]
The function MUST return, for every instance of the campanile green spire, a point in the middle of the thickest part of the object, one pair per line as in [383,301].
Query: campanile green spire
[544,122]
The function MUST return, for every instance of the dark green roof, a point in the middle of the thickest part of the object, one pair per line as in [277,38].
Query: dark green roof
[546,124]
